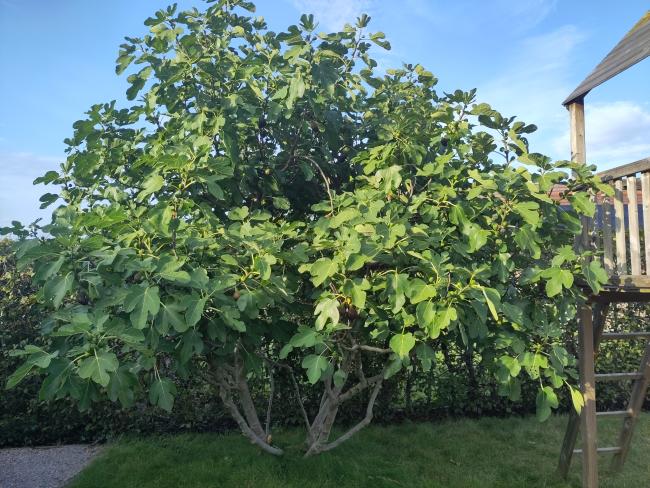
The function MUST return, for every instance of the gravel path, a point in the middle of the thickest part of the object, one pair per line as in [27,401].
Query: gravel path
[43,467]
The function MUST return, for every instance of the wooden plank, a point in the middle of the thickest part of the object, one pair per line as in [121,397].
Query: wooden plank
[568,443]
[614,413]
[602,450]
[608,243]
[630,282]
[634,47]
[630,169]
[633,221]
[616,295]
[617,376]
[625,336]
[573,426]
[645,205]
[586,240]
[578,154]
[636,403]
[577,121]
[619,214]
[600,317]
[588,387]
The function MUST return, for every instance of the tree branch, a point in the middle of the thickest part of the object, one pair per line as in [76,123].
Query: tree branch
[270,405]
[364,422]
[325,179]
[361,347]
[241,422]
[359,387]
[296,388]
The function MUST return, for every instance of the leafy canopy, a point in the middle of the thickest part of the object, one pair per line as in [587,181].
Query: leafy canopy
[270,194]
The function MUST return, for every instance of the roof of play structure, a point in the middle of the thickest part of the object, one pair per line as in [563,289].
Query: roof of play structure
[634,47]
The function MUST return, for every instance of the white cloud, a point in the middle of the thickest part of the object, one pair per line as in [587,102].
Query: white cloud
[616,133]
[18,196]
[532,81]
[528,13]
[332,15]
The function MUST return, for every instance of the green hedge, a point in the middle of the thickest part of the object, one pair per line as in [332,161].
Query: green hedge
[455,386]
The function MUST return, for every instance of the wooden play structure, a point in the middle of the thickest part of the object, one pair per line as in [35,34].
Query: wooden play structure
[622,235]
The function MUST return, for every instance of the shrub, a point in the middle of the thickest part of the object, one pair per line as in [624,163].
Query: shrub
[266,179]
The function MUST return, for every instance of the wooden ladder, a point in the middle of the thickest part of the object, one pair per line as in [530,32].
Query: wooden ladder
[591,322]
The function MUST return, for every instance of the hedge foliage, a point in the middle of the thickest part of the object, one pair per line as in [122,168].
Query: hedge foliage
[455,386]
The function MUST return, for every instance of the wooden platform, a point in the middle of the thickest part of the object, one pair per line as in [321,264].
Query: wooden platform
[624,288]
[620,236]
[620,232]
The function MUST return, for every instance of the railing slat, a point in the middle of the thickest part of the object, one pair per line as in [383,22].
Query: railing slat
[633,222]
[645,197]
[608,243]
[630,169]
[619,214]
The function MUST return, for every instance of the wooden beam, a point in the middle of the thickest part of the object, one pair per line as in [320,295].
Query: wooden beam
[629,51]
[619,215]
[617,376]
[587,338]
[577,121]
[614,295]
[625,336]
[573,427]
[630,169]
[602,450]
[588,387]
[614,413]
[645,199]
[608,242]
[630,282]
[637,398]
[633,220]
[579,155]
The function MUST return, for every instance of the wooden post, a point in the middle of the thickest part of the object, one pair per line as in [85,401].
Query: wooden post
[633,219]
[619,226]
[635,405]
[608,241]
[577,119]
[573,427]
[586,336]
[645,198]
[588,387]
[579,155]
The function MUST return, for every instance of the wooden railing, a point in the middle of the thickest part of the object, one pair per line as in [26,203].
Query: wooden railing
[621,229]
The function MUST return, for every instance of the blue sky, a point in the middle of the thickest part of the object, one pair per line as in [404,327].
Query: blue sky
[523,56]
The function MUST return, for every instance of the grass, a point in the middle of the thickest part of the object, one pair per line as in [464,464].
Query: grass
[485,453]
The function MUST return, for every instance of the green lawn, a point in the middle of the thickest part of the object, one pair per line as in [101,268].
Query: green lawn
[486,453]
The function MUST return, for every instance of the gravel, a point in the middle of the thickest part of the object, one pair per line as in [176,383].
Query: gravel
[43,467]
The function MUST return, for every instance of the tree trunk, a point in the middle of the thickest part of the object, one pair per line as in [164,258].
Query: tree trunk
[247,404]
[321,442]
[473,381]
[408,392]
[232,379]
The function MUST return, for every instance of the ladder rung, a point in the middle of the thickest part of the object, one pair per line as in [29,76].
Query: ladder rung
[618,376]
[601,450]
[617,336]
[615,413]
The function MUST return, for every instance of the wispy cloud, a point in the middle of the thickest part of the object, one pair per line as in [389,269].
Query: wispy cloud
[520,15]
[528,13]
[332,15]
[532,81]
[616,133]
